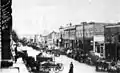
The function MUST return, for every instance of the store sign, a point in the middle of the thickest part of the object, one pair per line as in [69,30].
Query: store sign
[99,38]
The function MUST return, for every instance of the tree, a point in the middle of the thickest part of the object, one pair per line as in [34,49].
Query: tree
[24,41]
[14,36]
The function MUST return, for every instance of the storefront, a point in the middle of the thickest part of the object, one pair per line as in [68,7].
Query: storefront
[112,41]
[66,43]
[79,44]
[73,44]
[99,46]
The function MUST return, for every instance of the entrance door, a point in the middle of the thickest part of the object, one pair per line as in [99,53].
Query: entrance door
[99,48]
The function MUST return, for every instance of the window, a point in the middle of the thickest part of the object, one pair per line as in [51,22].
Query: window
[98,49]
[101,49]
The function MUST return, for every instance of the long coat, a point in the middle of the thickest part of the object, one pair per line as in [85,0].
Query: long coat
[71,68]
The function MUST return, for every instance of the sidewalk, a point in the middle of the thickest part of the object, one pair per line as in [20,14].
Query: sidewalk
[19,64]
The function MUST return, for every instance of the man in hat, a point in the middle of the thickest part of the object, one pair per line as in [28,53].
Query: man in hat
[71,68]
[16,52]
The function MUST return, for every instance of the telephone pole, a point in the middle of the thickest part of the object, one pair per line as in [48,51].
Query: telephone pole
[83,23]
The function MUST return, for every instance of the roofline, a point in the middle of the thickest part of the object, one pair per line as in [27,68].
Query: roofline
[112,25]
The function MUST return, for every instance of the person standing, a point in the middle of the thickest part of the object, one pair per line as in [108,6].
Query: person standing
[71,68]
[16,53]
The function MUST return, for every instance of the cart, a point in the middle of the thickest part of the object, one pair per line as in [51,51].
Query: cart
[102,65]
[51,66]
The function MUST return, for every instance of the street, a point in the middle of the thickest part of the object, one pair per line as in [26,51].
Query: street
[78,67]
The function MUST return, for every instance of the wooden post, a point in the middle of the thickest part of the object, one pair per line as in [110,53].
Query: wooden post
[84,36]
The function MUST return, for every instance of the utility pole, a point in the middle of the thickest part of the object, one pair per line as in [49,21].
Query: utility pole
[104,42]
[116,46]
[83,35]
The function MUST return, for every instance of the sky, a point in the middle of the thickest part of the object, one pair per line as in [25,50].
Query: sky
[43,16]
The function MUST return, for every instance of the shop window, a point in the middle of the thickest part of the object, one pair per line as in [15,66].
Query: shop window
[101,49]
[98,49]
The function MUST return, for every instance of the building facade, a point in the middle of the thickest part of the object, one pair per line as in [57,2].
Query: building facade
[112,41]
[52,38]
[62,36]
[6,28]
[85,36]
[69,37]
[98,38]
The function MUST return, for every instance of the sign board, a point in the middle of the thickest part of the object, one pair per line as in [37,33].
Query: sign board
[99,38]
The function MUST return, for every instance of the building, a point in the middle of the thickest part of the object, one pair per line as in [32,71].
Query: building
[57,37]
[84,36]
[6,19]
[6,28]
[41,39]
[61,35]
[112,41]
[37,38]
[90,37]
[69,36]
[98,38]
[52,38]
[45,39]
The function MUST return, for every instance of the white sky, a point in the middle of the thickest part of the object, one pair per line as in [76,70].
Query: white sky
[35,16]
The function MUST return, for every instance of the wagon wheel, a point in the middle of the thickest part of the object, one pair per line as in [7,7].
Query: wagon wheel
[45,69]
[29,69]
[42,68]
[56,70]
[59,67]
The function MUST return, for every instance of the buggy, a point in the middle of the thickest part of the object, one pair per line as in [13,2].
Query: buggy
[51,66]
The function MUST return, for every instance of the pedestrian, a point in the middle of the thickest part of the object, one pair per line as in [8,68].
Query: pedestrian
[16,53]
[71,68]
